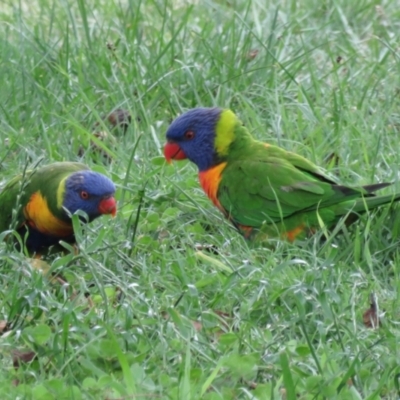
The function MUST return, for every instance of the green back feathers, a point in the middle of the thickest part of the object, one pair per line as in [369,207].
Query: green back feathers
[233,140]
[263,183]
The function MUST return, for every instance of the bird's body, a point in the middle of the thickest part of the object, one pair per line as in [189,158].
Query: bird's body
[40,202]
[262,187]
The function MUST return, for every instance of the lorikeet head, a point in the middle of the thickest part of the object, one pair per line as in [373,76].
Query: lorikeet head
[197,135]
[90,192]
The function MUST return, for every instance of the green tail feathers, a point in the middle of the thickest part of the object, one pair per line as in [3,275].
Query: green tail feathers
[365,204]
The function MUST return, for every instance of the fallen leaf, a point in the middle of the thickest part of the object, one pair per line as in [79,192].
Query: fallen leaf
[250,384]
[111,46]
[252,54]
[197,326]
[224,318]
[21,357]
[222,314]
[370,317]
[3,326]
[119,118]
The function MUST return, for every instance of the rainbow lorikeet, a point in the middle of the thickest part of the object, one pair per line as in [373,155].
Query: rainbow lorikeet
[260,187]
[41,199]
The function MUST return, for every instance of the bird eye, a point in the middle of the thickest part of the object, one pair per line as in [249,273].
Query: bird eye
[84,195]
[189,135]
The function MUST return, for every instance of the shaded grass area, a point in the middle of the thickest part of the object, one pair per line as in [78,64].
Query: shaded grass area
[173,317]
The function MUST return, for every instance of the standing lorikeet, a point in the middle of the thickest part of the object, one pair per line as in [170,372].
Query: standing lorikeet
[261,187]
[41,198]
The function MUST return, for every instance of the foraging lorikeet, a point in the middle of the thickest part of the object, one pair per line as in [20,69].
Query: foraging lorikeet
[260,187]
[41,197]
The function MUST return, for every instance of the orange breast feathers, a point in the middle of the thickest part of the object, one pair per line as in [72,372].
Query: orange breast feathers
[39,217]
[291,235]
[210,180]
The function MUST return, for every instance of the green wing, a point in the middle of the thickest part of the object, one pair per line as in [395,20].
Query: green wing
[17,192]
[269,184]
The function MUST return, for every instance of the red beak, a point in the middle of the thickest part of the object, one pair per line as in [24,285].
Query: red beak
[108,206]
[172,151]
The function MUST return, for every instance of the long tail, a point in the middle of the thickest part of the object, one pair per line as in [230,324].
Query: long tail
[376,186]
[365,204]
[376,201]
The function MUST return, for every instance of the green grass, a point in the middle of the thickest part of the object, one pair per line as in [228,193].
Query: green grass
[326,80]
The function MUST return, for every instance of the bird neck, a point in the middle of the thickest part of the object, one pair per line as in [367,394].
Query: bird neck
[240,141]
[225,132]
[61,193]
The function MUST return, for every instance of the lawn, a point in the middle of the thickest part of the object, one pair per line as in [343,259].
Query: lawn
[167,300]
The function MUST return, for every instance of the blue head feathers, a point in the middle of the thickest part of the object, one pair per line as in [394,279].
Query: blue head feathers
[90,192]
[192,135]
